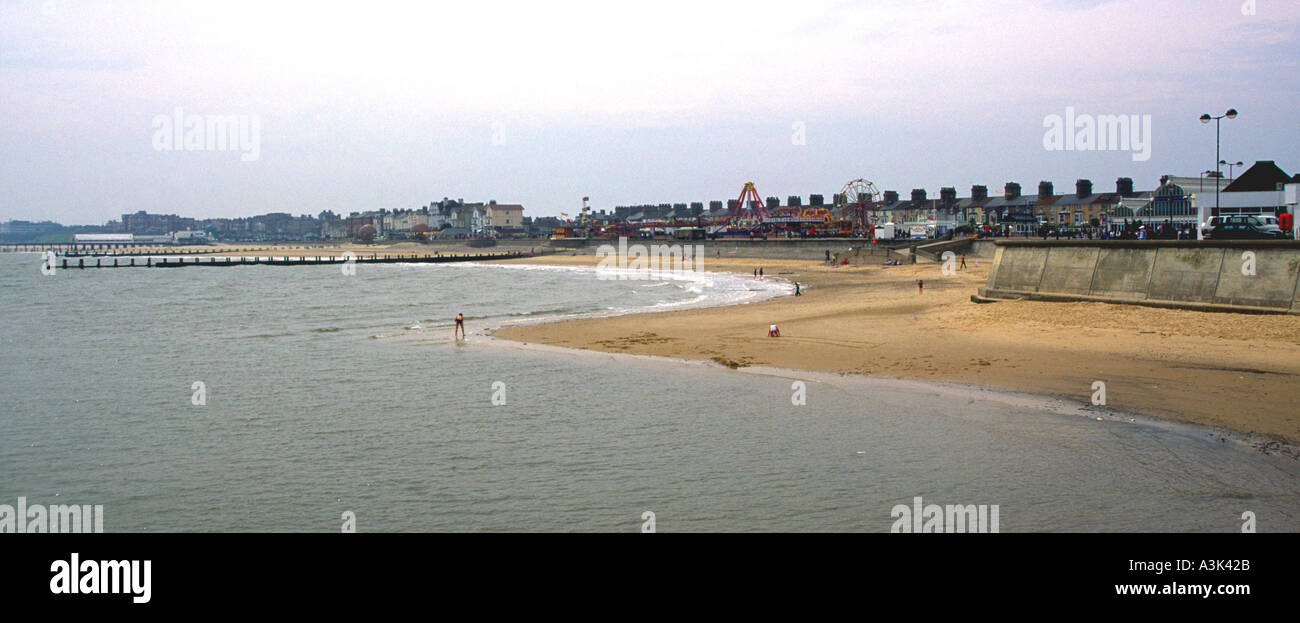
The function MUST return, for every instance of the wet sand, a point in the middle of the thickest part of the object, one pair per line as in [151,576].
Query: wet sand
[1238,372]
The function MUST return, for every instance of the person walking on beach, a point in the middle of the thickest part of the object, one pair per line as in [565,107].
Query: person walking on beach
[459,330]
[920,286]
[797,290]
[963,261]
[760,272]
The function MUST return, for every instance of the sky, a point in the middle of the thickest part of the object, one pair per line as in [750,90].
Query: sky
[351,106]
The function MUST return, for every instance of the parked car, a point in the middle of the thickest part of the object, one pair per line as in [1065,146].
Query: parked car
[1242,228]
[1269,221]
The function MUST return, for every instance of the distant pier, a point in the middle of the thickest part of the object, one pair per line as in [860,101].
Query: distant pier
[150,261]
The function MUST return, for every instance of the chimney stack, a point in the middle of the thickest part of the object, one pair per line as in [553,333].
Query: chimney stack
[979,192]
[891,197]
[794,201]
[1045,189]
[815,200]
[1011,191]
[918,195]
[1124,186]
[1083,188]
[948,195]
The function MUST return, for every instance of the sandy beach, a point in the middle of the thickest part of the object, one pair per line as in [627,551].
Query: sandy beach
[1238,372]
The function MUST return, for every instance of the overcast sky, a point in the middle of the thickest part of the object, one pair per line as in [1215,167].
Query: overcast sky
[375,105]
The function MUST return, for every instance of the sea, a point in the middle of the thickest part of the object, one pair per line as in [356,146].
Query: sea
[307,399]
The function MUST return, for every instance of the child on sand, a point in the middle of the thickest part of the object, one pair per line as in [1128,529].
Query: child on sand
[459,329]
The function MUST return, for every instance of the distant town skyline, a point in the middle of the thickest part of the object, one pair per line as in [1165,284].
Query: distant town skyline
[301,108]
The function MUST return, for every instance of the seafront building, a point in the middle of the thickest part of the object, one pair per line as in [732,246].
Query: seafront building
[1181,201]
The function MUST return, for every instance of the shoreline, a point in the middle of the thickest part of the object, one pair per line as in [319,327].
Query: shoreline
[1055,405]
[869,321]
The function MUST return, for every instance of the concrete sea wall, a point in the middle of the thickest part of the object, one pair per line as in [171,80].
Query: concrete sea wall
[1229,275]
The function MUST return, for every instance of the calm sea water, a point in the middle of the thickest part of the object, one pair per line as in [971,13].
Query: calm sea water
[327,393]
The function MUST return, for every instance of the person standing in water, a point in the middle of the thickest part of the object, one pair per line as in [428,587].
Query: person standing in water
[459,330]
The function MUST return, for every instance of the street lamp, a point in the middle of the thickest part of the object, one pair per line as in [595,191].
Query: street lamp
[1230,165]
[1204,174]
[1206,118]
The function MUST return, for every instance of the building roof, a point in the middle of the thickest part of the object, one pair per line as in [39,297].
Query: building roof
[1074,199]
[1001,201]
[1263,175]
[1047,200]
[969,203]
[1169,189]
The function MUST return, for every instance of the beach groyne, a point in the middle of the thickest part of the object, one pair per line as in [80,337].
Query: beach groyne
[319,260]
[1260,276]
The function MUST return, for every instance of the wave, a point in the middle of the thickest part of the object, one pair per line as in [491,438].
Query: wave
[651,291]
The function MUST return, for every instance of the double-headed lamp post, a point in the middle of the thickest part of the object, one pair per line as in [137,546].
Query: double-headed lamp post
[1206,118]
[1230,165]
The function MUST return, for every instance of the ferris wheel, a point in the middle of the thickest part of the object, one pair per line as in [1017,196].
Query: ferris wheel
[858,195]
